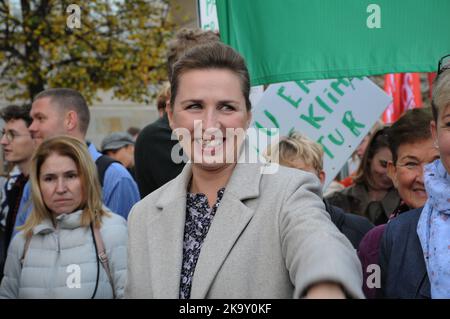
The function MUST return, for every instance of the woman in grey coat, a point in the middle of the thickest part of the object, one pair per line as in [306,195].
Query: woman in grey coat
[70,246]
[223,228]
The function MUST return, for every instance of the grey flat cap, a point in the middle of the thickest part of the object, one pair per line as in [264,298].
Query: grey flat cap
[116,140]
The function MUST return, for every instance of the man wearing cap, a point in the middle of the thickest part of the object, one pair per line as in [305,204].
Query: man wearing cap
[120,146]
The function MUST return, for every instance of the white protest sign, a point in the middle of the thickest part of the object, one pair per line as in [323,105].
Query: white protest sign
[208,15]
[336,113]
[256,93]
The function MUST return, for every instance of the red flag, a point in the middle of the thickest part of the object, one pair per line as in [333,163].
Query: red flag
[392,88]
[405,92]
[431,77]
[411,97]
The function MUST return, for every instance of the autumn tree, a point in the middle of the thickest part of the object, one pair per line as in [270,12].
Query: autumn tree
[85,45]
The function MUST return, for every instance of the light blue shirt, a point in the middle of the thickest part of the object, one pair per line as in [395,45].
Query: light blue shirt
[120,191]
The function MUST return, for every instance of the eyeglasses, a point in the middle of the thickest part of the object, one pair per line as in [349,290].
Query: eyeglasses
[10,136]
[444,64]
[413,166]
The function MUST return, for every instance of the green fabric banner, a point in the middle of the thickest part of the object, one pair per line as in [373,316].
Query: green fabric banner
[285,40]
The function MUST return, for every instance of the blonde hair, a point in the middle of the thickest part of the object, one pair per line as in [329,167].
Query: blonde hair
[296,147]
[441,94]
[92,201]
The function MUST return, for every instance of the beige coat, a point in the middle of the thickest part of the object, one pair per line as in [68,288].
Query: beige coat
[270,238]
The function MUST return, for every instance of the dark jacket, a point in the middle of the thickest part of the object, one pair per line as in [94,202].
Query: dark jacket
[11,205]
[403,270]
[352,226]
[369,250]
[355,199]
[152,155]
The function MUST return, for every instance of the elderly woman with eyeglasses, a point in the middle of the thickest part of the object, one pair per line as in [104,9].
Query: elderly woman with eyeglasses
[415,254]
[412,147]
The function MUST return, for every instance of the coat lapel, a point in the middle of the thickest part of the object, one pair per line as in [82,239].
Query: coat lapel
[165,233]
[390,202]
[421,280]
[229,222]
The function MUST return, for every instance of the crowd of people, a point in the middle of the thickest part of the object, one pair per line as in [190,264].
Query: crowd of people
[163,213]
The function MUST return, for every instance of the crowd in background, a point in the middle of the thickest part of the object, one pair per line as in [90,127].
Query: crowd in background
[136,224]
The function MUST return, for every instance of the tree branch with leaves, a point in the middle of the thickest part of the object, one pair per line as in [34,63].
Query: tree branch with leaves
[120,46]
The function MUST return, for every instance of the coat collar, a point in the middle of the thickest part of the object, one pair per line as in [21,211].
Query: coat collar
[243,174]
[64,221]
[229,222]
[416,258]
[360,194]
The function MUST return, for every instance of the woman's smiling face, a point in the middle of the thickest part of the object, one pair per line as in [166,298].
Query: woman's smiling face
[209,111]
[407,173]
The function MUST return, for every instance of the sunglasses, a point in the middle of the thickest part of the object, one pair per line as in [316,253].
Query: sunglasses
[444,64]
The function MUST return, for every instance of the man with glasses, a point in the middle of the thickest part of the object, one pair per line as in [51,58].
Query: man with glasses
[18,147]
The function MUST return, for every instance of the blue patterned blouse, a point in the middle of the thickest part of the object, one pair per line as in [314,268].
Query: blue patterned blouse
[198,220]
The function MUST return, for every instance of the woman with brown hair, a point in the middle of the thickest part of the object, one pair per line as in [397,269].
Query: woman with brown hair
[223,228]
[373,194]
[414,252]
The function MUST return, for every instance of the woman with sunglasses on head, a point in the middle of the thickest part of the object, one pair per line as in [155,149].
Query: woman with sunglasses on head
[223,228]
[71,246]
[414,253]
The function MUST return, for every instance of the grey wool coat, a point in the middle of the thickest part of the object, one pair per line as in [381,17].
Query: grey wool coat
[270,238]
[60,262]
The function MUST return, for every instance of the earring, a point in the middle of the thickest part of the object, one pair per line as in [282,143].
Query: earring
[435,144]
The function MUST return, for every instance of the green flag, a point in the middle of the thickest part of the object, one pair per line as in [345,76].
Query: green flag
[285,40]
